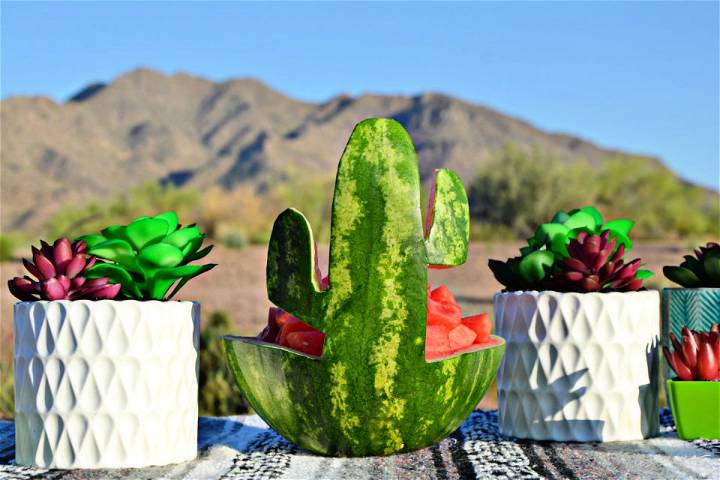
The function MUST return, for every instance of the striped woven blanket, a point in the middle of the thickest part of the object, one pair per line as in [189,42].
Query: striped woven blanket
[243,447]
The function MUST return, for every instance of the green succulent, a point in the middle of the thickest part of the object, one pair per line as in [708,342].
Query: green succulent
[548,247]
[700,271]
[148,256]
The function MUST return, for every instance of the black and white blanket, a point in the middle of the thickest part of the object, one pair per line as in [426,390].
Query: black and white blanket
[243,447]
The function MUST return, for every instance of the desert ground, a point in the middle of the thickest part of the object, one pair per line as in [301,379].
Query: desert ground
[237,285]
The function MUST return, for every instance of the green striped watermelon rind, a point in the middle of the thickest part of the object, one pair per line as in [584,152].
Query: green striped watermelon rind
[275,382]
[372,392]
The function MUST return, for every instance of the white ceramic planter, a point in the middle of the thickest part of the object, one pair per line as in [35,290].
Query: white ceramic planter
[106,384]
[578,366]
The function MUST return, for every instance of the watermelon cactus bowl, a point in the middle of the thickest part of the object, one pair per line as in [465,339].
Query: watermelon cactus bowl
[363,384]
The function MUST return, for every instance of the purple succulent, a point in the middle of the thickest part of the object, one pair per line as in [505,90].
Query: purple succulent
[59,271]
[592,266]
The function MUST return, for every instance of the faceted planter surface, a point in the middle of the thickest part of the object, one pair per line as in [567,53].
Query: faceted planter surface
[695,408]
[105,384]
[578,366]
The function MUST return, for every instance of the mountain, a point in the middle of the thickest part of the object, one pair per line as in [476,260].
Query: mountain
[187,130]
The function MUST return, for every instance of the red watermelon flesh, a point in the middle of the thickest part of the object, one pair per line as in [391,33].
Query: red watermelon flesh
[447,332]
[473,347]
[443,313]
[437,343]
[443,294]
[310,341]
[481,325]
[460,337]
[271,330]
[292,325]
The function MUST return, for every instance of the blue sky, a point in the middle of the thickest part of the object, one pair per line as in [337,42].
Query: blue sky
[637,76]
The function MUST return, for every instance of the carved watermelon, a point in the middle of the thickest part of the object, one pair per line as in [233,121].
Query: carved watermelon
[446,331]
[372,392]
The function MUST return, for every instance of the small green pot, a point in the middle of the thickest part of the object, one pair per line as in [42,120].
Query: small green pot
[695,408]
[695,308]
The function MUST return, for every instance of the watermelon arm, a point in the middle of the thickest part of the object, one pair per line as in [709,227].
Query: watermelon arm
[292,282]
[447,224]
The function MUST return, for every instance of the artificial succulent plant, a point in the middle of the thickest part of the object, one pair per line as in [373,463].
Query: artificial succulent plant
[697,356]
[61,273]
[149,255]
[575,251]
[594,264]
[700,271]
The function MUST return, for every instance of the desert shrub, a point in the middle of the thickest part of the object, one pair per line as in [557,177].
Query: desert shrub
[234,239]
[235,217]
[313,196]
[120,209]
[7,393]
[218,394]
[8,246]
[662,205]
[518,190]
[485,232]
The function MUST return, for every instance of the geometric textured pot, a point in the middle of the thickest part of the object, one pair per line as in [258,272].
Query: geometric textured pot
[695,408]
[105,384]
[578,366]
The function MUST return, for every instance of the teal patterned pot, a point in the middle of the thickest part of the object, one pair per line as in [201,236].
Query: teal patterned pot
[696,308]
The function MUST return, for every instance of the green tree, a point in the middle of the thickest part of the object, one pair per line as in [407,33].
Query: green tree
[518,190]
[662,205]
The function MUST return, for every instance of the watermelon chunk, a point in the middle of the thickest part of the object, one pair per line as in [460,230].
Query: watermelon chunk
[310,341]
[436,342]
[443,294]
[282,317]
[477,346]
[481,325]
[460,337]
[446,314]
[291,325]
[270,332]
[447,333]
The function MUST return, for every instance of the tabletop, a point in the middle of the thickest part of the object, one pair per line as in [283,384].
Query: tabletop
[244,447]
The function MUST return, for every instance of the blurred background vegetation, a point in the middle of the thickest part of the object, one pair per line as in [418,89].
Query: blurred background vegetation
[518,190]
[218,395]
[511,194]
[233,218]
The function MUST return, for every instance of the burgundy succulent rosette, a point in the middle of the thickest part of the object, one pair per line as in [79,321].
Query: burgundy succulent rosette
[59,274]
[592,266]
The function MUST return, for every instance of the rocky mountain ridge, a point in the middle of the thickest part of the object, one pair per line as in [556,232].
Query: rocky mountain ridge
[186,130]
